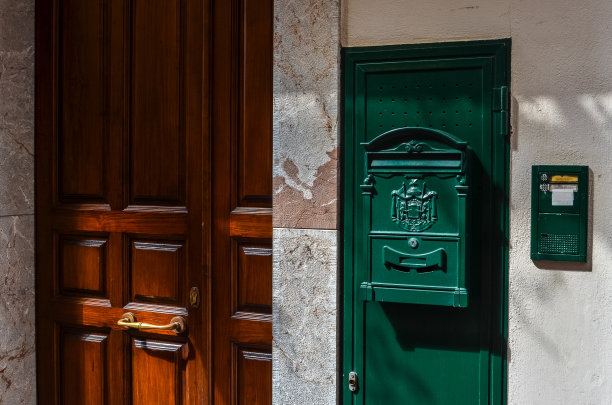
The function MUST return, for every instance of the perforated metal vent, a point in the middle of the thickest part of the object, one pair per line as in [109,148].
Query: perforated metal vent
[557,244]
[446,100]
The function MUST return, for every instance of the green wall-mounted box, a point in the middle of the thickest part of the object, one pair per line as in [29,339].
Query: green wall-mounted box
[559,213]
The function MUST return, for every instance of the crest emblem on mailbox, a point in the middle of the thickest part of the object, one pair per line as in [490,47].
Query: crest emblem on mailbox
[413,207]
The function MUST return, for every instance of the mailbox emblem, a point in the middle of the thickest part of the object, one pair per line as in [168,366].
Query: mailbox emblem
[413,208]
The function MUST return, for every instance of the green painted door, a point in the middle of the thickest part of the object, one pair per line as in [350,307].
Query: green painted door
[405,347]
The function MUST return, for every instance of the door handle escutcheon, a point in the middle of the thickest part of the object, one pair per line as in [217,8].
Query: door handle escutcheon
[128,320]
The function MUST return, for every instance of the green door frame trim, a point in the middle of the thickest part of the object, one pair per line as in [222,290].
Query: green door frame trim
[499,49]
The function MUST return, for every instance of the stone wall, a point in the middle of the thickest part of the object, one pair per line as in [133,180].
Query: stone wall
[306,84]
[17,356]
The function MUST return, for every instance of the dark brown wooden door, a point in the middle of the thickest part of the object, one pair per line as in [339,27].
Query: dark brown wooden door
[141,169]
[242,207]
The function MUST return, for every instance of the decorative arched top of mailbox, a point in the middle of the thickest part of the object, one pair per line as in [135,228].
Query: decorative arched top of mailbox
[411,136]
[416,150]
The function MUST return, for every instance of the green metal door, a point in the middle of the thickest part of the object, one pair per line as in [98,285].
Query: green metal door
[425,274]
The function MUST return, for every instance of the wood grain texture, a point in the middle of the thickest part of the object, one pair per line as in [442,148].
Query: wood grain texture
[251,278]
[83,124]
[156,369]
[121,193]
[252,372]
[173,180]
[82,265]
[86,380]
[157,134]
[254,136]
[241,211]
[157,271]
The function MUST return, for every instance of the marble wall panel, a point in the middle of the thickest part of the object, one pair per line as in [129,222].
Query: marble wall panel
[17,354]
[304,317]
[17,333]
[16,109]
[306,83]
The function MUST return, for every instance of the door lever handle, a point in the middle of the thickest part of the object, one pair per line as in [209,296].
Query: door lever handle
[176,324]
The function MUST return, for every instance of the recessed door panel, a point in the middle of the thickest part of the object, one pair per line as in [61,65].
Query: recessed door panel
[157,130]
[157,371]
[252,282]
[157,270]
[82,78]
[254,147]
[252,370]
[82,265]
[84,376]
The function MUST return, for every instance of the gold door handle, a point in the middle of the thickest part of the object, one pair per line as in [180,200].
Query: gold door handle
[176,324]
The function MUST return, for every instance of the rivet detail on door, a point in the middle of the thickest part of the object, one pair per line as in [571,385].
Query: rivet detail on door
[194,297]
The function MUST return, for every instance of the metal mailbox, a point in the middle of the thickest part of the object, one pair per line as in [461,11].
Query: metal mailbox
[559,217]
[416,213]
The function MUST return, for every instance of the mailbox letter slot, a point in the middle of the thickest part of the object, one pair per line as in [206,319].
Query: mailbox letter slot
[405,261]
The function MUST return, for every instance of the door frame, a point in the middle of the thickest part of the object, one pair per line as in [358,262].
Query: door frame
[500,51]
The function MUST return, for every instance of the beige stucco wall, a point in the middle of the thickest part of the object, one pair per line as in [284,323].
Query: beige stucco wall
[560,323]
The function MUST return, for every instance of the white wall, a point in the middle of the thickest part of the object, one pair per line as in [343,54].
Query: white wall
[560,336]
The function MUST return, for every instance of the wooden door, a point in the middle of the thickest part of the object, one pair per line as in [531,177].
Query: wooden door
[127,154]
[242,205]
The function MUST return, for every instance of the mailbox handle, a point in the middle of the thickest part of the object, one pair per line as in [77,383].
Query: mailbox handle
[431,261]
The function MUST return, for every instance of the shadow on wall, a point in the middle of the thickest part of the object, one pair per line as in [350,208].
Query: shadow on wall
[565,129]
[545,116]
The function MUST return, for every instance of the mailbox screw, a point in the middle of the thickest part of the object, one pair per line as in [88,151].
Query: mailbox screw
[413,243]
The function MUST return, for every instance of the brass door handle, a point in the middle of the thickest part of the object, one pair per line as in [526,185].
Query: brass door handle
[176,324]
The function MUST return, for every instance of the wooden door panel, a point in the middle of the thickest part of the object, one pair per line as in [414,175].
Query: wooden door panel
[254,143]
[82,79]
[82,265]
[157,271]
[251,370]
[86,380]
[156,88]
[157,372]
[252,278]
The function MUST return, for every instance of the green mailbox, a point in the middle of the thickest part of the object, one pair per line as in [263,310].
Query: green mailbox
[416,211]
[559,213]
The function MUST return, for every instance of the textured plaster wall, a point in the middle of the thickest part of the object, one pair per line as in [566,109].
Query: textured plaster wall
[560,320]
[306,83]
[17,359]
